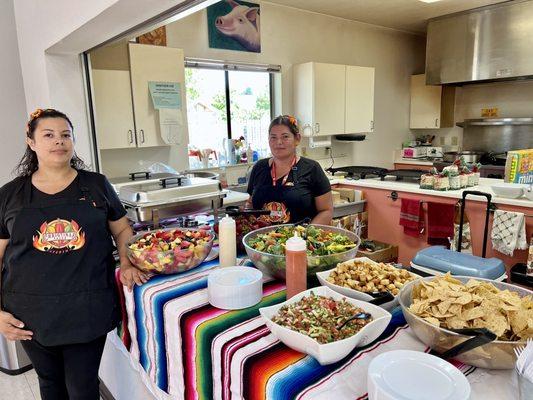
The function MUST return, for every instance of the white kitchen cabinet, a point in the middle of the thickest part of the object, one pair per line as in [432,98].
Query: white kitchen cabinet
[432,107]
[359,108]
[113,109]
[158,64]
[333,99]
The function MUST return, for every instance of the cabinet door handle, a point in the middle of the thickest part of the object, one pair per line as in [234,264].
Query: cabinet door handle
[317,127]
[142,135]
[437,122]
[130,136]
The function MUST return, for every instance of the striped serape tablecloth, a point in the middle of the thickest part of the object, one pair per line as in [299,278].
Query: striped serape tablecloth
[190,350]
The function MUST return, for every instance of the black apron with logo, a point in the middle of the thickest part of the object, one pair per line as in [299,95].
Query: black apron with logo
[298,200]
[58,273]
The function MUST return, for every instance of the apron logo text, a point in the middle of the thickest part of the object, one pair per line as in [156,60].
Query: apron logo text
[59,236]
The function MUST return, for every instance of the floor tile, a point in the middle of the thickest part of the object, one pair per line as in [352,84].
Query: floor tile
[15,388]
[33,382]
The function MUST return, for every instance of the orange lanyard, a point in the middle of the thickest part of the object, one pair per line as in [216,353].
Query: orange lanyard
[274,175]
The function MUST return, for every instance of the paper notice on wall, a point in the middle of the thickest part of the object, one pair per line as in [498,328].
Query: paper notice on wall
[171,125]
[165,95]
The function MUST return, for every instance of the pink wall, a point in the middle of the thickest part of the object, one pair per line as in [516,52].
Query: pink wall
[384,216]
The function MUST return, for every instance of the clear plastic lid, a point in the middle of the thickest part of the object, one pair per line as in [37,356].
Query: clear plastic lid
[296,243]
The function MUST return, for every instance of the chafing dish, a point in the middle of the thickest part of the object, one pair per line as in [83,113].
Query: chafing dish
[134,178]
[170,197]
[497,354]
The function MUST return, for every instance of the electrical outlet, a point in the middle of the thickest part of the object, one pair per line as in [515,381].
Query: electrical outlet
[442,140]
[455,140]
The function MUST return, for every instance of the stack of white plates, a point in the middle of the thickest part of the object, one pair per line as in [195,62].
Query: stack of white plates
[413,375]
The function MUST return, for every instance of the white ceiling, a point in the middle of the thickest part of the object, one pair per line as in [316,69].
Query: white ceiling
[406,15]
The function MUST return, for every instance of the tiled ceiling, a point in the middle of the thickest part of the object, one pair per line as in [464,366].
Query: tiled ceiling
[406,15]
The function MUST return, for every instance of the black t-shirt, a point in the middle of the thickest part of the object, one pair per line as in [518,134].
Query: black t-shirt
[305,183]
[11,198]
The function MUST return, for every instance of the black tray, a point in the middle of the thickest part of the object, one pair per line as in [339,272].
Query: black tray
[400,174]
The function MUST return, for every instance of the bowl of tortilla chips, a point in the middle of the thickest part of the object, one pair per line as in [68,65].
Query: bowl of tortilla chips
[435,306]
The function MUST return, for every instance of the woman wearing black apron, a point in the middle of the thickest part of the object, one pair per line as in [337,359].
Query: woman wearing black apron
[58,292]
[291,187]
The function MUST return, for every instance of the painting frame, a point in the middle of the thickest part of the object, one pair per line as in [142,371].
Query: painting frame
[234,25]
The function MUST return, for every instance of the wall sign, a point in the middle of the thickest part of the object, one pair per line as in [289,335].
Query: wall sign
[165,94]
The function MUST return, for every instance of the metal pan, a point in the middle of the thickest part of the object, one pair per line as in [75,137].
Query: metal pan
[497,354]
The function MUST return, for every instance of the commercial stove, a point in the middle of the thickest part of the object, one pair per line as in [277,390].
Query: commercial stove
[358,171]
[363,172]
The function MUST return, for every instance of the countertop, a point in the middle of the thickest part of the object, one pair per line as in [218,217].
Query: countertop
[234,198]
[412,161]
[413,187]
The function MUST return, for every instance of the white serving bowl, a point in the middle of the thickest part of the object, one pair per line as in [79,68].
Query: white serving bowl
[235,288]
[508,190]
[352,293]
[330,352]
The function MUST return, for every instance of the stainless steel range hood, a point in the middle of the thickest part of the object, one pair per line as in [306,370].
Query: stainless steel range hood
[484,44]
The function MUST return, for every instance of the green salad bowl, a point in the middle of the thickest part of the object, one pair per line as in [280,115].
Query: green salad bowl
[274,265]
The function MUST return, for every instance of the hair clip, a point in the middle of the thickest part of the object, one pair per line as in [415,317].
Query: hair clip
[292,120]
[36,114]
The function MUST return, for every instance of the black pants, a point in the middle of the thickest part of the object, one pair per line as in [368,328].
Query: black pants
[68,372]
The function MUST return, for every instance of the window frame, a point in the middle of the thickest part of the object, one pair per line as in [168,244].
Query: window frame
[226,66]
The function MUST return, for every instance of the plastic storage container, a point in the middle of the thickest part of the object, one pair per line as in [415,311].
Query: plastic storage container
[437,260]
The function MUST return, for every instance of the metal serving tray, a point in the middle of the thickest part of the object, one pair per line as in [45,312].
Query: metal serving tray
[167,190]
[170,197]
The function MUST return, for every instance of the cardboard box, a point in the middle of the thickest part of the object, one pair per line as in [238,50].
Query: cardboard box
[519,166]
[352,221]
[346,194]
[336,197]
[388,253]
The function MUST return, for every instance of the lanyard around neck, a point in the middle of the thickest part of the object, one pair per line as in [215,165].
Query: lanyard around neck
[275,176]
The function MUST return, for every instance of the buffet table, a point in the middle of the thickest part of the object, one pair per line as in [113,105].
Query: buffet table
[178,346]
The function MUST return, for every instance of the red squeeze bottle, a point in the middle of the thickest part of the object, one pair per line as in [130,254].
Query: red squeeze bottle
[296,265]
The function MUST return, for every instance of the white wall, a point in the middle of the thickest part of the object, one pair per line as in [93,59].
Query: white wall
[51,35]
[290,36]
[12,101]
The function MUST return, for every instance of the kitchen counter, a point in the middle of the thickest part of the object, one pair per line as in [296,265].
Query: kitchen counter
[413,161]
[235,198]
[413,187]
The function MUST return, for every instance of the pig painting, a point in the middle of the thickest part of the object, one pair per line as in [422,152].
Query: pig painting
[234,25]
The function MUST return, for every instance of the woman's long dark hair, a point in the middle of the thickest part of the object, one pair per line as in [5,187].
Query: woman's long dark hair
[29,163]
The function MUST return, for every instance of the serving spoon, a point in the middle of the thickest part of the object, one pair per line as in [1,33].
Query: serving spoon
[362,315]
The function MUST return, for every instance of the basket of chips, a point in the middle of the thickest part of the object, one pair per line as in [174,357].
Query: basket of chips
[442,310]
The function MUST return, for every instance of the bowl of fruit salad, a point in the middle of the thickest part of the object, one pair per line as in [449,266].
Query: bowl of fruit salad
[171,250]
[326,247]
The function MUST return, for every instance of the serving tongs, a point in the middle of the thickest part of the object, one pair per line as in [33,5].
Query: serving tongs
[379,298]
[480,337]
[234,211]
[305,223]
